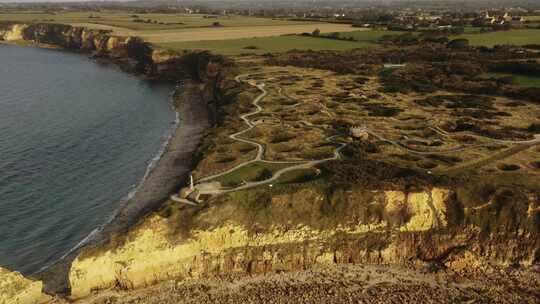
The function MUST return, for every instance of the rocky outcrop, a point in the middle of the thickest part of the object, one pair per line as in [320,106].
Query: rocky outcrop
[16,289]
[13,33]
[131,53]
[307,229]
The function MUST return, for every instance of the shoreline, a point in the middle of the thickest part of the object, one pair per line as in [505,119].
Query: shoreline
[97,232]
[171,170]
[167,175]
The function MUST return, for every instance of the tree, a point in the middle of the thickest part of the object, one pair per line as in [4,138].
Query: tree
[316,33]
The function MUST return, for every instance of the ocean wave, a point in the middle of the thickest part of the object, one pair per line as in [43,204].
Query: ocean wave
[94,234]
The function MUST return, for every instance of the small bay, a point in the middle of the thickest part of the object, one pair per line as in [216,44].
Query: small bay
[76,137]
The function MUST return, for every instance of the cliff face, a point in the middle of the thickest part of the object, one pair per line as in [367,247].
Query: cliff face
[253,232]
[131,53]
[306,228]
[16,289]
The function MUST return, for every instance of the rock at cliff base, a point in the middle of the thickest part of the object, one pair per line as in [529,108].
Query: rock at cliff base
[16,289]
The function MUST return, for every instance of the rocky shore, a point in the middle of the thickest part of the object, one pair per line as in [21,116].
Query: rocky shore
[336,284]
[172,169]
[168,175]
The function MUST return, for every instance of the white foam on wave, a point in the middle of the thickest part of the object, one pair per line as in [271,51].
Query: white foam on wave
[151,165]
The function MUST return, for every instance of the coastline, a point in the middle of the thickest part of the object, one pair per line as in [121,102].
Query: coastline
[169,170]
[166,176]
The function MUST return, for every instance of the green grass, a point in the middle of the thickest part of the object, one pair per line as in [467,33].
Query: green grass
[266,45]
[472,30]
[526,81]
[297,176]
[514,37]
[532,18]
[125,20]
[252,172]
[369,36]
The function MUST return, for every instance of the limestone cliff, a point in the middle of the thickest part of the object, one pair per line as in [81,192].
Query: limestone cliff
[261,232]
[13,33]
[131,53]
[16,289]
[236,235]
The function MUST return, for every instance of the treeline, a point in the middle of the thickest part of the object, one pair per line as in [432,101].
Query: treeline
[334,36]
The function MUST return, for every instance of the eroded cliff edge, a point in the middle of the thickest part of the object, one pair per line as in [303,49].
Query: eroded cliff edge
[251,233]
[198,74]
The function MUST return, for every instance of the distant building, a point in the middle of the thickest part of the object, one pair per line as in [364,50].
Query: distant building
[506,19]
[517,22]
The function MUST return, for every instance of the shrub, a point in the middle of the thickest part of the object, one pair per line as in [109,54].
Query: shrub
[382,110]
[458,44]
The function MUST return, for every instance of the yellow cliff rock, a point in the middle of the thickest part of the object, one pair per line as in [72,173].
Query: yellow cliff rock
[149,255]
[16,289]
[161,56]
[16,32]
[427,209]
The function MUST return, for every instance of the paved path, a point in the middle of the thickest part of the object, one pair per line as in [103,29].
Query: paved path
[299,165]
[295,165]
[176,198]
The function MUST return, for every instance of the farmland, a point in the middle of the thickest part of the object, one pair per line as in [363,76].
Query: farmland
[238,32]
[515,37]
[363,38]
[142,22]
[263,45]
[172,28]
[523,80]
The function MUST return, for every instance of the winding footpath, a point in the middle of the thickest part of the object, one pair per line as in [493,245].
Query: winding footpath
[307,164]
[295,165]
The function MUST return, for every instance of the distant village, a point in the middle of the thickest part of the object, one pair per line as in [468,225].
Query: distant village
[395,16]
[410,20]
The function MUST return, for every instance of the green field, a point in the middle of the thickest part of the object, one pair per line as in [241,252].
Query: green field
[127,20]
[514,37]
[532,18]
[277,44]
[253,172]
[369,36]
[265,45]
[526,81]
[297,176]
